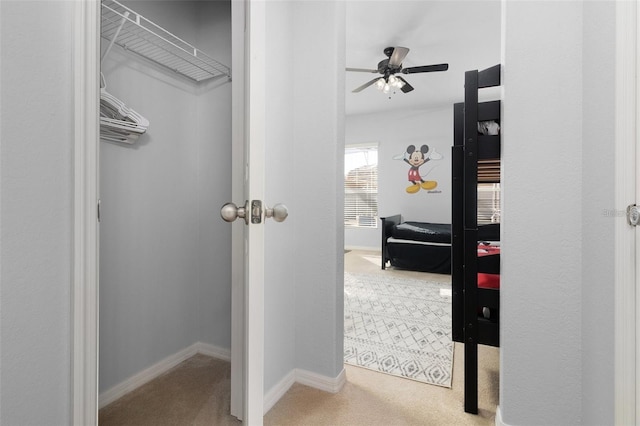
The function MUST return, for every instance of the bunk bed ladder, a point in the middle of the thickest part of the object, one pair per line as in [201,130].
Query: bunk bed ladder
[457,225]
[466,150]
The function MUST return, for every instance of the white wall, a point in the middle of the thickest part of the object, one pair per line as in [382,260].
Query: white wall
[36,143]
[394,131]
[165,253]
[557,264]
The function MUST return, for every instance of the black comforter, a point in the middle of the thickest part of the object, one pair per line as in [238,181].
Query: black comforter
[439,232]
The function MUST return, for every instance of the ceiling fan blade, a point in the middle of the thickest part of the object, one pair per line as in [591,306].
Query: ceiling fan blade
[364,86]
[362,70]
[398,55]
[407,87]
[425,68]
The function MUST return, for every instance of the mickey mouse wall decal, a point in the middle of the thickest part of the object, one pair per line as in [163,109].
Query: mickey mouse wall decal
[416,158]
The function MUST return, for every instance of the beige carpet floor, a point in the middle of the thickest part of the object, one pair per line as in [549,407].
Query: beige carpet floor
[196,392]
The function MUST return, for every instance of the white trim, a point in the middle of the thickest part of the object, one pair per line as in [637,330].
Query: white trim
[499,421]
[625,253]
[85,399]
[159,368]
[213,351]
[84,303]
[237,194]
[274,394]
[324,383]
[307,378]
[255,67]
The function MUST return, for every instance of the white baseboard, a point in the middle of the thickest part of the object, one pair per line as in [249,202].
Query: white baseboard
[499,421]
[307,378]
[324,383]
[159,368]
[276,392]
[213,351]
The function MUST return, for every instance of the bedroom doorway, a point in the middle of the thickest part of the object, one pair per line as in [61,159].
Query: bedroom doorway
[400,122]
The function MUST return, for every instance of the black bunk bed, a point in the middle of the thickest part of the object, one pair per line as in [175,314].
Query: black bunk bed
[475,158]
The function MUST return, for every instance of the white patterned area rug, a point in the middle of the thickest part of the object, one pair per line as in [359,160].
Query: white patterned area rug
[399,326]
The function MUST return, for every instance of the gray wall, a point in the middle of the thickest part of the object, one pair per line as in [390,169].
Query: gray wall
[36,145]
[598,168]
[214,179]
[318,131]
[280,157]
[165,263]
[433,127]
[304,155]
[557,301]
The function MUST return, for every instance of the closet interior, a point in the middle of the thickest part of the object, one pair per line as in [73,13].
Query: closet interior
[165,170]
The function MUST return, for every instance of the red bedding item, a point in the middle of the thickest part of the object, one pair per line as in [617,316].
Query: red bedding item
[487,250]
[488,280]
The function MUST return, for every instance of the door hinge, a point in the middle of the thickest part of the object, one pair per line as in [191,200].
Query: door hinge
[98,210]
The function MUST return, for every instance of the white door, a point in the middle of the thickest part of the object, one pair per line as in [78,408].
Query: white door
[248,246]
[247,344]
[290,125]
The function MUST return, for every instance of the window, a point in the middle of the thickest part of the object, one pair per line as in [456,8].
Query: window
[488,203]
[361,186]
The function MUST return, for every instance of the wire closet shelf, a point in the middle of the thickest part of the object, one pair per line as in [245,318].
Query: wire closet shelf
[133,32]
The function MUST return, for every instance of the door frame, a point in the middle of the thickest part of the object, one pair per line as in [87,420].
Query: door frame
[248,176]
[627,270]
[84,303]
[238,130]
[85,281]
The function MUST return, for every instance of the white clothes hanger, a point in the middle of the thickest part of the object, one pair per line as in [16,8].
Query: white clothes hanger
[118,123]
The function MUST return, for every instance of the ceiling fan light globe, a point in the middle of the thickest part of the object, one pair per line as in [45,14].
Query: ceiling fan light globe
[386,88]
[380,83]
[392,80]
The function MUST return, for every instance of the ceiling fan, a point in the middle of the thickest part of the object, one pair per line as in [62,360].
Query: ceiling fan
[390,67]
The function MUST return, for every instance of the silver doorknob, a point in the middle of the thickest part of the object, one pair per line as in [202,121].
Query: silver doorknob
[279,212]
[230,212]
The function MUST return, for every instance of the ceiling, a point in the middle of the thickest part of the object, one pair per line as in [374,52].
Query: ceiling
[464,34]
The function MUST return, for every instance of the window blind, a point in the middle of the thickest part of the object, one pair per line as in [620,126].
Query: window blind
[361,186]
[488,203]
